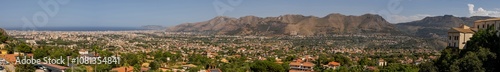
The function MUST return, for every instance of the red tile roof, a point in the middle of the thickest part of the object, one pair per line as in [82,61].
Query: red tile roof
[124,69]
[334,63]
[10,57]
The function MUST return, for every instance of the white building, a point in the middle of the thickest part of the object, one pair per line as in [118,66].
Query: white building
[458,36]
[483,24]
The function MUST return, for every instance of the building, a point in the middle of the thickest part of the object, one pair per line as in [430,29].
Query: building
[123,69]
[483,24]
[382,62]
[51,67]
[301,65]
[333,65]
[458,36]
[10,58]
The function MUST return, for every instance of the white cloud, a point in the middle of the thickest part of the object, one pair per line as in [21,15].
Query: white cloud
[401,19]
[482,12]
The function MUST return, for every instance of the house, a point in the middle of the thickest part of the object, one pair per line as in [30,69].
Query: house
[53,67]
[382,62]
[3,52]
[301,65]
[145,69]
[83,52]
[484,24]
[214,70]
[123,69]
[10,58]
[333,65]
[371,68]
[458,36]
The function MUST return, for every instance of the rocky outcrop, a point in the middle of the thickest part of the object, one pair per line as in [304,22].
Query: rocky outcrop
[290,25]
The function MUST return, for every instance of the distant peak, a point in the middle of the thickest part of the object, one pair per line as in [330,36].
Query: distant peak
[334,14]
[449,16]
[368,14]
[249,16]
[222,17]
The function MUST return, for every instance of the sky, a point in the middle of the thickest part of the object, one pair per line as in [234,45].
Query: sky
[136,13]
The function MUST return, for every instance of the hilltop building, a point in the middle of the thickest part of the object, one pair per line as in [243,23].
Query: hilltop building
[484,24]
[458,36]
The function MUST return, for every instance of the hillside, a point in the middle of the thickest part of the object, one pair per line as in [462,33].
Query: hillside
[3,36]
[2,31]
[437,26]
[290,25]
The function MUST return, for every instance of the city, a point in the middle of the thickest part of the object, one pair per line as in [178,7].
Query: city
[249,36]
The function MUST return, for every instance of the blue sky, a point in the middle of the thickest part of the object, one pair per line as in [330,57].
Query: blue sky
[135,13]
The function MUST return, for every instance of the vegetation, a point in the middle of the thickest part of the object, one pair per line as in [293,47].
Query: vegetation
[479,55]
[266,66]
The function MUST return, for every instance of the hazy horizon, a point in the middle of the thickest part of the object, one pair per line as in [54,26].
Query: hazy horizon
[129,13]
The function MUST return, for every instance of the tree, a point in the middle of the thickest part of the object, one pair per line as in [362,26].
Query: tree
[102,67]
[154,65]
[427,67]
[366,61]
[40,53]
[399,67]
[25,68]
[3,38]
[24,48]
[479,55]
[266,66]
[10,48]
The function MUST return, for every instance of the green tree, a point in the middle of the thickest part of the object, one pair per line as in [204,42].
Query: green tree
[154,65]
[3,38]
[479,55]
[427,67]
[102,67]
[366,61]
[40,53]
[24,48]
[266,66]
[399,68]
[25,68]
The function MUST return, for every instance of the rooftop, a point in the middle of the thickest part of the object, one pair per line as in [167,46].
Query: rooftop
[461,29]
[491,19]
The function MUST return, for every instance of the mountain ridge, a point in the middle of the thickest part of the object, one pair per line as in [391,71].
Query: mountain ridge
[436,26]
[290,24]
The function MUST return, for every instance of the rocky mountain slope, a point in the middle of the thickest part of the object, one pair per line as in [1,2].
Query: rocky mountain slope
[290,25]
[3,32]
[437,26]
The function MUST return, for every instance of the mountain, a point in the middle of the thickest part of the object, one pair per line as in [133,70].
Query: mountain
[437,26]
[3,32]
[3,36]
[290,25]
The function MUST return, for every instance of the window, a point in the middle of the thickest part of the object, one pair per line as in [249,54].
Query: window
[455,45]
[456,37]
[449,38]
